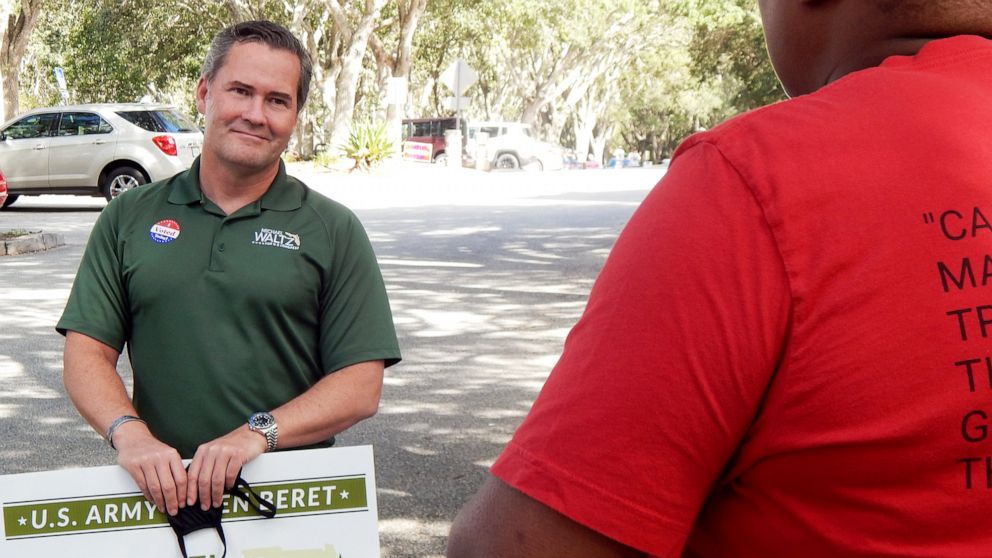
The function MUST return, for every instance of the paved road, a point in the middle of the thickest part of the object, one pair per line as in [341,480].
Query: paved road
[486,273]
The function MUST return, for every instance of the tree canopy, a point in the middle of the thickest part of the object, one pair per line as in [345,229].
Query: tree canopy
[588,74]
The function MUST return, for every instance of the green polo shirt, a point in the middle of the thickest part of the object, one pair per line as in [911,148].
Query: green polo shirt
[226,315]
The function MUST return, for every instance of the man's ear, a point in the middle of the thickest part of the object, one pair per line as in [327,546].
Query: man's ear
[202,87]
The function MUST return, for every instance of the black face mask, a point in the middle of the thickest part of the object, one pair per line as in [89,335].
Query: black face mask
[192,518]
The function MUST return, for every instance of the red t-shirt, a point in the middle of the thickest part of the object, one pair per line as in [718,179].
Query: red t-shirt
[788,350]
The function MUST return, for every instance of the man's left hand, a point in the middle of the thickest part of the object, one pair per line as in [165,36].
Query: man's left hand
[216,464]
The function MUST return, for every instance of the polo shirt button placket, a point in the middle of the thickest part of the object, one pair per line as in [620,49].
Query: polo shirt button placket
[217,256]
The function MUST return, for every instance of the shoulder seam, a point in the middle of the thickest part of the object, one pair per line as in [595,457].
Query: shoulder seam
[793,319]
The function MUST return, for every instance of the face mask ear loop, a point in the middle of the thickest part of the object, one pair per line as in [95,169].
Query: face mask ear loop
[243,490]
[223,540]
[182,545]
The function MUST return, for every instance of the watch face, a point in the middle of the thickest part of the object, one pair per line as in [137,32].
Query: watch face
[261,420]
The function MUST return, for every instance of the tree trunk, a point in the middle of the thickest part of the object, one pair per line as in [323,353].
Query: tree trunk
[599,143]
[549,89]
[383,71]
[585,123]
[576,92]
[17,25]
[351,67]
[303,142]
[398,63]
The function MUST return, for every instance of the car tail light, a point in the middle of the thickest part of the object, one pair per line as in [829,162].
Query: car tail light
[3,183]
[166,144]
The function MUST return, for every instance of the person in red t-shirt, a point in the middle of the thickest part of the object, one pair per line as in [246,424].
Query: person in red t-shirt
[787,352]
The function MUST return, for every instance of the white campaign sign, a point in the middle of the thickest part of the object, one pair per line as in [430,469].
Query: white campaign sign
[325,498]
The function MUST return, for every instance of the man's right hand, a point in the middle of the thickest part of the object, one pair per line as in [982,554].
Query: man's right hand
[155,467]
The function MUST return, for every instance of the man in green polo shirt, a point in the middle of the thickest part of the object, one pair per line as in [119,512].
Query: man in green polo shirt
[253,309]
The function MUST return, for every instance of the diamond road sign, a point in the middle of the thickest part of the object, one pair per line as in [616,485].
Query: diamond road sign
[459,76]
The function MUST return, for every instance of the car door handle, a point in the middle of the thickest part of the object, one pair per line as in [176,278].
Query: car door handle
[39,146]
[99,142]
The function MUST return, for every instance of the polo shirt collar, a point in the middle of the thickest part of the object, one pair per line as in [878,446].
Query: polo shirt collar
[284,194]
[186,187]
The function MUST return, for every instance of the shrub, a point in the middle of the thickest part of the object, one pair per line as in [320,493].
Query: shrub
[368,145]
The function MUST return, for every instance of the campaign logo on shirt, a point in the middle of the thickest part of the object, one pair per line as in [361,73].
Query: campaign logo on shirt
[281,239]
[164,231]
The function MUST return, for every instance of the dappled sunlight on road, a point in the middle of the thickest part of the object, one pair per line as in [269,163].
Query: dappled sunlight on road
[14,383]
[482,310]
[33,289]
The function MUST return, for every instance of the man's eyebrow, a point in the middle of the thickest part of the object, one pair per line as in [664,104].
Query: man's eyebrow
[249,87]
[241,84]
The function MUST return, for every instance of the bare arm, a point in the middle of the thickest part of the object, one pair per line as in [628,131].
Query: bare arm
[336,402]
[91,380]
[501,521]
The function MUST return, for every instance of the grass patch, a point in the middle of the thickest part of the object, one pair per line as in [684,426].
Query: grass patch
[15,233]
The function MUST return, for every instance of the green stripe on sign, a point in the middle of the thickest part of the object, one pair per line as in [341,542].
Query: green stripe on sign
[131,511]
[53,518]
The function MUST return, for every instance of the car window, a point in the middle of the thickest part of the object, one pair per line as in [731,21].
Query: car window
[82,124]
[421,129]
[428,127]
[142,119]
[34,126]
[174,122]
[168,121]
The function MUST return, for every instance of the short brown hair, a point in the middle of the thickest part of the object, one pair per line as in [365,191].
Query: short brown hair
[268,33]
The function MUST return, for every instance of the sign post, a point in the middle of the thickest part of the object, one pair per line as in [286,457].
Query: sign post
[459,76]
[63,90]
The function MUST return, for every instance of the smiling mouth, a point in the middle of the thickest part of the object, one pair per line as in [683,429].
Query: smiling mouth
[251,135]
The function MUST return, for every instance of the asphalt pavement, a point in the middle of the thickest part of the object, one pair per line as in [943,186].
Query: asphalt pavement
[486,273]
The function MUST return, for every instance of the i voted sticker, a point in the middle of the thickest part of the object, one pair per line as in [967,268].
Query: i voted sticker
[164,231]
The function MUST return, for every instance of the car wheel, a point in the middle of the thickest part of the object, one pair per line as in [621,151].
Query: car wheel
[536,165]
[441,159]
[11,198]
[121,180]
[507,161]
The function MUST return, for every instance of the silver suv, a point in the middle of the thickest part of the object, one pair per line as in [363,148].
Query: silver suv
[95,150]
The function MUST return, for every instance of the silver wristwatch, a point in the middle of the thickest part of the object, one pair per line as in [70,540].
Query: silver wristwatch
[265,424]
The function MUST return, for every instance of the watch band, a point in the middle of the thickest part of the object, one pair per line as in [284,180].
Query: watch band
[271,438]
[265,424]
[116,424]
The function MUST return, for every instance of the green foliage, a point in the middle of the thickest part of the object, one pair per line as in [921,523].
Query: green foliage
[650,72]
[728,51]
[368,145]
[452,29]
[666,103]
[123,50]
[683,65]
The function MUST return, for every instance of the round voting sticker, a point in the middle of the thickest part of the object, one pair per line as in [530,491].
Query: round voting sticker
[164,231]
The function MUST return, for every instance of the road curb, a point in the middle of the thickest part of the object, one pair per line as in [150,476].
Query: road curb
[34,242]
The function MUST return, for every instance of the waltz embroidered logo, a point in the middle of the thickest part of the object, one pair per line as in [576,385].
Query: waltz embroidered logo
[165,231]
[270,237]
